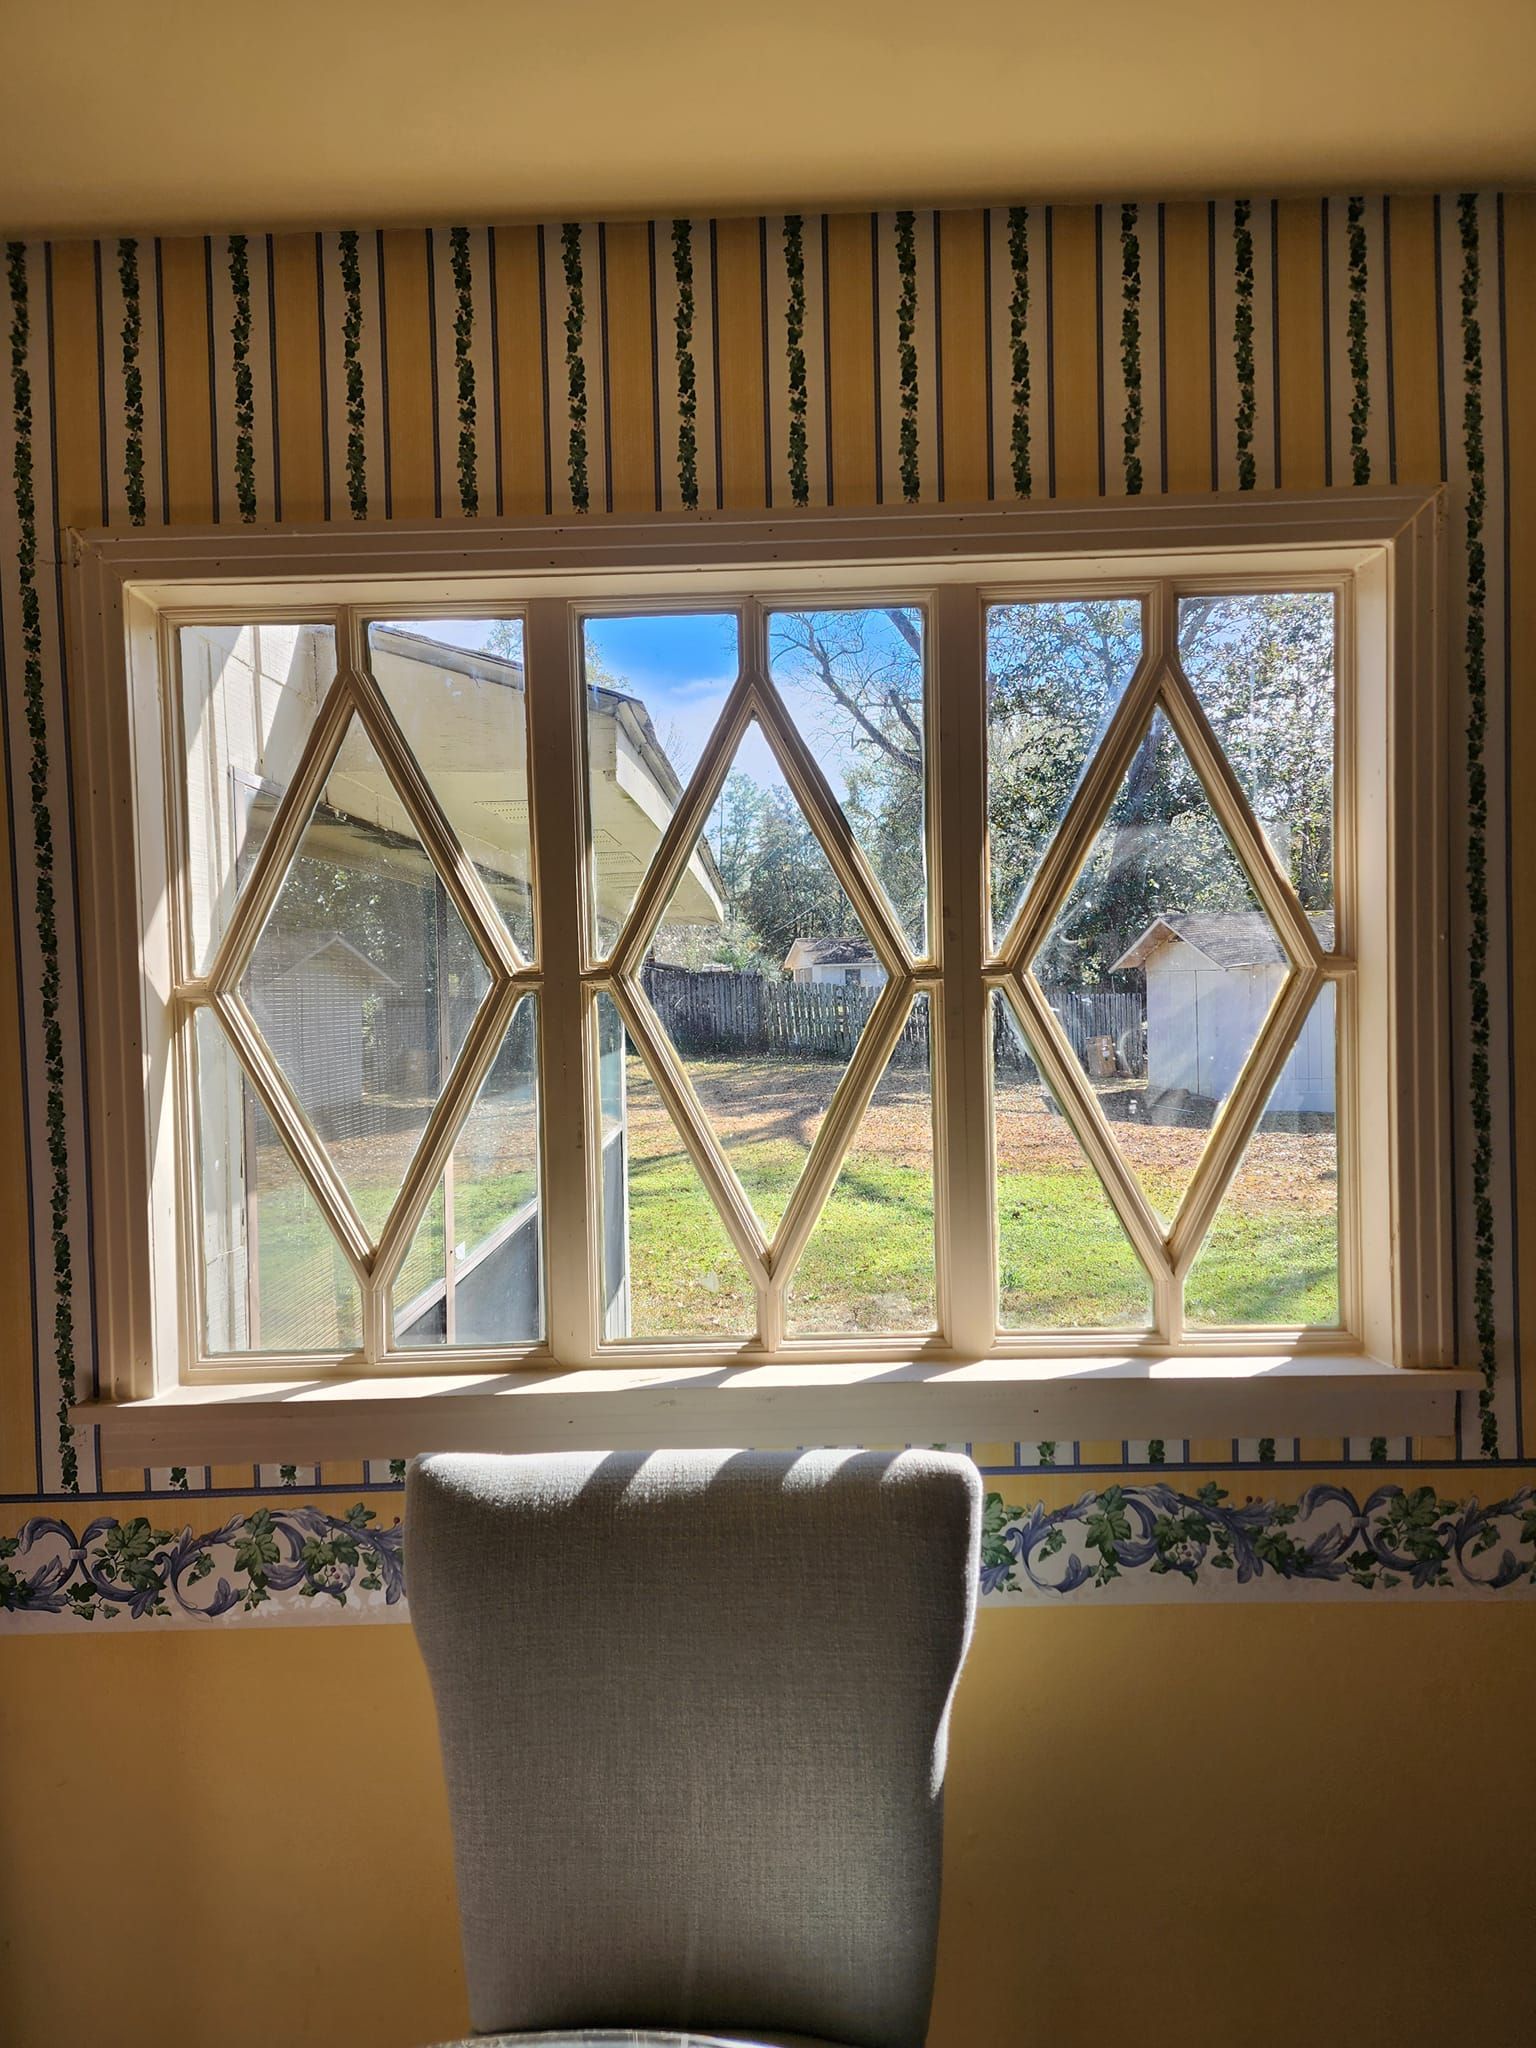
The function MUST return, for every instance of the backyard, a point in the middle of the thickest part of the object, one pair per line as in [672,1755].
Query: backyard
[1064,1261]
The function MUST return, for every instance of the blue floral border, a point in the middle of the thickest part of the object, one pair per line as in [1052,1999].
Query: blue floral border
[278,1557]
[1397,1536]
[1146,1541]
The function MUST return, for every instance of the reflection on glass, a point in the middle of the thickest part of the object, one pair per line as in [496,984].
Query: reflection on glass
[869,1264]
[1161,967]
[1263,668]
[249,698]
[1064,1261]
[1272,1254]
[656,685]
[364,979]
[852,681]
[458,689]
[1055,674]
[473,1275]
[274,1278]
[670,1269]
[764,1028]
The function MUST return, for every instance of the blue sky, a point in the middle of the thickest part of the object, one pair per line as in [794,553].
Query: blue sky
[681,666]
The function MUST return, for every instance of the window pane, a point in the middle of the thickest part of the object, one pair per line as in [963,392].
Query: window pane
[457,688]
[853,683]
[1161,967]
[1272,1254]
[249,698]
[474,1273]
[1055,673]
[670,1269]
[364,980]
[274,1278]
[1263,669]
[764,1031]
[656,686]
[869,1264]
[1064,1261]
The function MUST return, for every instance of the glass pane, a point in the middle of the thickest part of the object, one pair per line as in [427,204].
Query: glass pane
[1064,1261]
[869,1265]
[1272,1255]
[1162,967]
[364,979]
[764,1032]
[670,1269]
[473,1274]
[1055,674]
[249,698]
[274,1278]
[853,683]
[655,689]
[457,688]
[1263,669]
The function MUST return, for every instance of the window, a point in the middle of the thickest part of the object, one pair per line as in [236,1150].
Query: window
[950,960]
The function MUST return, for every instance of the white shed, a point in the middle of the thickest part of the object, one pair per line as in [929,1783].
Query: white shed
[1211,979]
[845,963]
[308,991]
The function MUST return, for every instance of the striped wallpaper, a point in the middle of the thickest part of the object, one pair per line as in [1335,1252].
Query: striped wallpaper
[1036,351]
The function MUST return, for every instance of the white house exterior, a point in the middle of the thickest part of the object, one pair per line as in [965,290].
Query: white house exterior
[1211,979]
[322,1005]
[843,963]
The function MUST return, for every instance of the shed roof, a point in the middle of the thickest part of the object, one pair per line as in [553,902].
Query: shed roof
[283,953]
[1226,938]
[856,952]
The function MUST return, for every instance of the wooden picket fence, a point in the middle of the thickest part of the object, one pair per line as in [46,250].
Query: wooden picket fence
[730,1013]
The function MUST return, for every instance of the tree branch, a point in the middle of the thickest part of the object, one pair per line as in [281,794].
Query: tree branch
[814,647]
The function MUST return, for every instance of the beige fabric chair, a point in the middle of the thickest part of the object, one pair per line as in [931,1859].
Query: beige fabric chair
[693,1710]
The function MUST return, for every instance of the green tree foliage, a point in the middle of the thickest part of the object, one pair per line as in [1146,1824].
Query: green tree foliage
[790,891]
[1055,673]
[1262,667]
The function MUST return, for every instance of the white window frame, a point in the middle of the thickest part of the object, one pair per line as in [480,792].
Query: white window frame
[1390,1371]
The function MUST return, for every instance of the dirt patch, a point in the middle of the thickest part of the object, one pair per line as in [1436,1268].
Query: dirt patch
[768,1100]
[773,1101]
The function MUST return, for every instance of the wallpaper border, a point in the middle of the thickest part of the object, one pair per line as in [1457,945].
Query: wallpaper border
[1121,1543]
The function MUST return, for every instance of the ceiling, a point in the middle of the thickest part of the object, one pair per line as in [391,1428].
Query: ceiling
[177,114]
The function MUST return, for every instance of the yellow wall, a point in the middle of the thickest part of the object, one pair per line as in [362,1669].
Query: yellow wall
[1164,1825]
[1272,1820]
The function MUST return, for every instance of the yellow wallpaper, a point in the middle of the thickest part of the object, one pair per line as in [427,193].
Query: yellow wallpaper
[1067,352]
[1161,1825]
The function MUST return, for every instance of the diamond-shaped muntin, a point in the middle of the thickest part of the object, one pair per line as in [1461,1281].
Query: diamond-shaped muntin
[354,695]
[1039,909]
[754,696]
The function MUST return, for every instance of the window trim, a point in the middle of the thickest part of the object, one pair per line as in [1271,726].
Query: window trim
[1388,542]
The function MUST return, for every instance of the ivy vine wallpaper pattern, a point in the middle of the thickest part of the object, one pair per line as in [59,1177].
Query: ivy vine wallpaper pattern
[1127,1541]
[578,368]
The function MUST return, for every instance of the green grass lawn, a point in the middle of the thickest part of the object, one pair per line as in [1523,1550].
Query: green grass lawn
[309,1298]
[1281,1266]
[1064,1261]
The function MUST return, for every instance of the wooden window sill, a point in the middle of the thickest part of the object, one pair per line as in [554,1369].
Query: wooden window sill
[780,1406]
